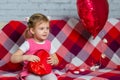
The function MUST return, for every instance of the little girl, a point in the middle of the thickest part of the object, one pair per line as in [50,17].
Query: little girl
[36,38]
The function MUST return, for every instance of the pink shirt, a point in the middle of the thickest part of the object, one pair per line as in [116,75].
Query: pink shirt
[33,47]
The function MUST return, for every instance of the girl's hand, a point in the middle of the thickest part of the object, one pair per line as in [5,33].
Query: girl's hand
[32,58]
[53,60]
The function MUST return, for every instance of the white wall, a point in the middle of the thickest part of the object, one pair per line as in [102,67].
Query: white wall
[19,9]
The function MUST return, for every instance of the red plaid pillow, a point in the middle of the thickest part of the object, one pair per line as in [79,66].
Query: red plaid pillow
[11,39]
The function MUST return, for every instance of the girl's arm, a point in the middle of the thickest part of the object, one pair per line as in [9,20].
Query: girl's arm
[18,57]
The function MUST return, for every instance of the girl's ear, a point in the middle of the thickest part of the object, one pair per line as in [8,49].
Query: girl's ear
[32,30]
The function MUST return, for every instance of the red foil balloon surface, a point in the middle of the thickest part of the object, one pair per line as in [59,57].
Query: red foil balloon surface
[93,14]
[41,67]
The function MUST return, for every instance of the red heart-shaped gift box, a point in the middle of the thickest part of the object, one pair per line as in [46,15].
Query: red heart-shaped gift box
[41,67]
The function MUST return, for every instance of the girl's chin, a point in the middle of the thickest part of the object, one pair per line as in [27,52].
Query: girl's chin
[43,39]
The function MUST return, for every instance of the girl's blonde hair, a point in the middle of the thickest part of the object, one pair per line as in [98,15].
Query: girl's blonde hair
[34,19]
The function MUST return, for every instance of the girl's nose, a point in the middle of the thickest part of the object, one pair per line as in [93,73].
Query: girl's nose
[45,30]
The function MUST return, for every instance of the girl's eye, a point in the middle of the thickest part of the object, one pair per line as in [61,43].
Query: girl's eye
[41,28]
[48,28]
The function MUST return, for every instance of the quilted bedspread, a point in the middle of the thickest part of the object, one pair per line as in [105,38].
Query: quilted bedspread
[81,57]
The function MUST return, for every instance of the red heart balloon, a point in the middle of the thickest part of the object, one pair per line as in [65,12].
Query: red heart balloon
[41,67]
[93,14]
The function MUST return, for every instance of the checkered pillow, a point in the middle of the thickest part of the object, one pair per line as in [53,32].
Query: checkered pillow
[75,46]
[11,39]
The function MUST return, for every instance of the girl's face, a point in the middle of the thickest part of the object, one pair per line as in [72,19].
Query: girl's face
[41,31]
